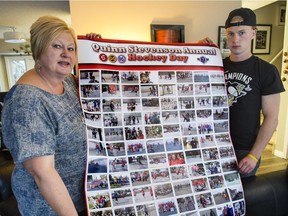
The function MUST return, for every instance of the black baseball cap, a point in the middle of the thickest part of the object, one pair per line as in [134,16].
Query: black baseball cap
[248,16]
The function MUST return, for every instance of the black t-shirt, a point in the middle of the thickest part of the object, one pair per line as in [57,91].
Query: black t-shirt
[246,82]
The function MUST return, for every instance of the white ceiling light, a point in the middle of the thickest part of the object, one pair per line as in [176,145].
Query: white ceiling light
[13,36]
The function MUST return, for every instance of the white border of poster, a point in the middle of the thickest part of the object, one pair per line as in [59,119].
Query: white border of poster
[158,130]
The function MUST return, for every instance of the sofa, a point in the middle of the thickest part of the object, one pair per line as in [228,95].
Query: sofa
[8,204]
[265,195]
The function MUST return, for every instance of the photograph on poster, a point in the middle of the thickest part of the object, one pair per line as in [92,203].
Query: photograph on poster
[173,144]
[184,76]
[89,76]
[166,76]
[122,197]
[185,89]
[160,175]
[204,115]
[93,120]
[108,76]
[118,164]
[140,178]
[115,149]
[129,77]
[196,170]
[110,105]
[90,91]
[98,165]
[97,182]
[168,103]
[155,145]
[96,148]
[179,172]
[138,162]
[99,201]
[119,180]
[191,142]
[143,194]
[135,147]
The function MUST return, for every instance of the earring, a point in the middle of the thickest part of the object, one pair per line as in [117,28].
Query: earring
[38,66]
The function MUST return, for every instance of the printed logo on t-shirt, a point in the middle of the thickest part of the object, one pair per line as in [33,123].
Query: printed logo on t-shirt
[237,86]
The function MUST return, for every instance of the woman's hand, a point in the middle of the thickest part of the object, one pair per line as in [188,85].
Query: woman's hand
[93,35]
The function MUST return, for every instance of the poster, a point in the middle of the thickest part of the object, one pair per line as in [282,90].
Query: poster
[157,127]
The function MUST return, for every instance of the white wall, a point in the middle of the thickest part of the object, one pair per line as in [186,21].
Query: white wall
[22,14]
[132,19]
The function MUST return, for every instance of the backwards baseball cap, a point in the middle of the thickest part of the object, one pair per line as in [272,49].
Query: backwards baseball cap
[248,16]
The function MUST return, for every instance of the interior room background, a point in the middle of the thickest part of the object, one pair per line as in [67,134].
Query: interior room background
[131,20]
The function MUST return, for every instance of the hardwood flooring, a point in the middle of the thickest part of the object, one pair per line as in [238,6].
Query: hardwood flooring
[271,163]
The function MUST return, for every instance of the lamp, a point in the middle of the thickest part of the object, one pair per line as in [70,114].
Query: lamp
[13,36]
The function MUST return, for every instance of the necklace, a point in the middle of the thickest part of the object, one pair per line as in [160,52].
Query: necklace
[52,90]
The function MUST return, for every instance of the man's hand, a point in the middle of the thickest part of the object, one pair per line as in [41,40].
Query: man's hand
[246,165]
[206,40]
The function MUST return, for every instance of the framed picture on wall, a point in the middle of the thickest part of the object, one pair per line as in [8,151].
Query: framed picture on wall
[16,66]
[282,14]
[167,33]
[222,42]
[261,44]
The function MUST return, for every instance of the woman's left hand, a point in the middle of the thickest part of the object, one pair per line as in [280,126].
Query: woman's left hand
[93,35]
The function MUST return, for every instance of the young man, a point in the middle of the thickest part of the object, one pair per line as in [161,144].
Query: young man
[252,85]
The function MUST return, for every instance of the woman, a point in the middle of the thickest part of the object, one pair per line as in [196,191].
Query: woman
[43,126]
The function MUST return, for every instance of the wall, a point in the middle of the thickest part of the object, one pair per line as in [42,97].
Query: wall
[22,14]
[277,31]
[132,19]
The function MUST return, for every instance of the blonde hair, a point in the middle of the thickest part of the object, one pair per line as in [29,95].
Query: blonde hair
[44,30]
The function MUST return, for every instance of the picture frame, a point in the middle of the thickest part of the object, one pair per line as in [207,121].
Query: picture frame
[167,33]
[222,42]
[16,66]
[282,15]
[261,44]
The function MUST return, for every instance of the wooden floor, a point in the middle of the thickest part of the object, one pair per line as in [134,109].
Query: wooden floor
[270,163]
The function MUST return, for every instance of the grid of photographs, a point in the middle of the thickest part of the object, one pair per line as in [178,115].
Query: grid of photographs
[159,143]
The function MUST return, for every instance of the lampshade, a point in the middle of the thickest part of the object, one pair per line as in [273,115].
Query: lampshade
[14,37]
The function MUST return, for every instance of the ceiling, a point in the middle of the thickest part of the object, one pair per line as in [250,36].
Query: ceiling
[21,14]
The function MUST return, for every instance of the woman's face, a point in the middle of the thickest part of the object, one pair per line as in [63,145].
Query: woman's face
[60,57]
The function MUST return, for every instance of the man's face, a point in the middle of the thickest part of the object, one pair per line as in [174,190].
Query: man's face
[239,39]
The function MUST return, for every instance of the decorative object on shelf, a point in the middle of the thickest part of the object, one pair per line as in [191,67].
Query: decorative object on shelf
[261,44]
[13,36]
[167,33]
[23,50]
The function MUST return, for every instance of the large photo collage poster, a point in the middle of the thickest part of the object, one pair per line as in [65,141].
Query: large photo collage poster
[158,130]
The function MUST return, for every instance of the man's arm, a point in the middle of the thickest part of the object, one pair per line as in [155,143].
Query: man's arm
[270,110]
